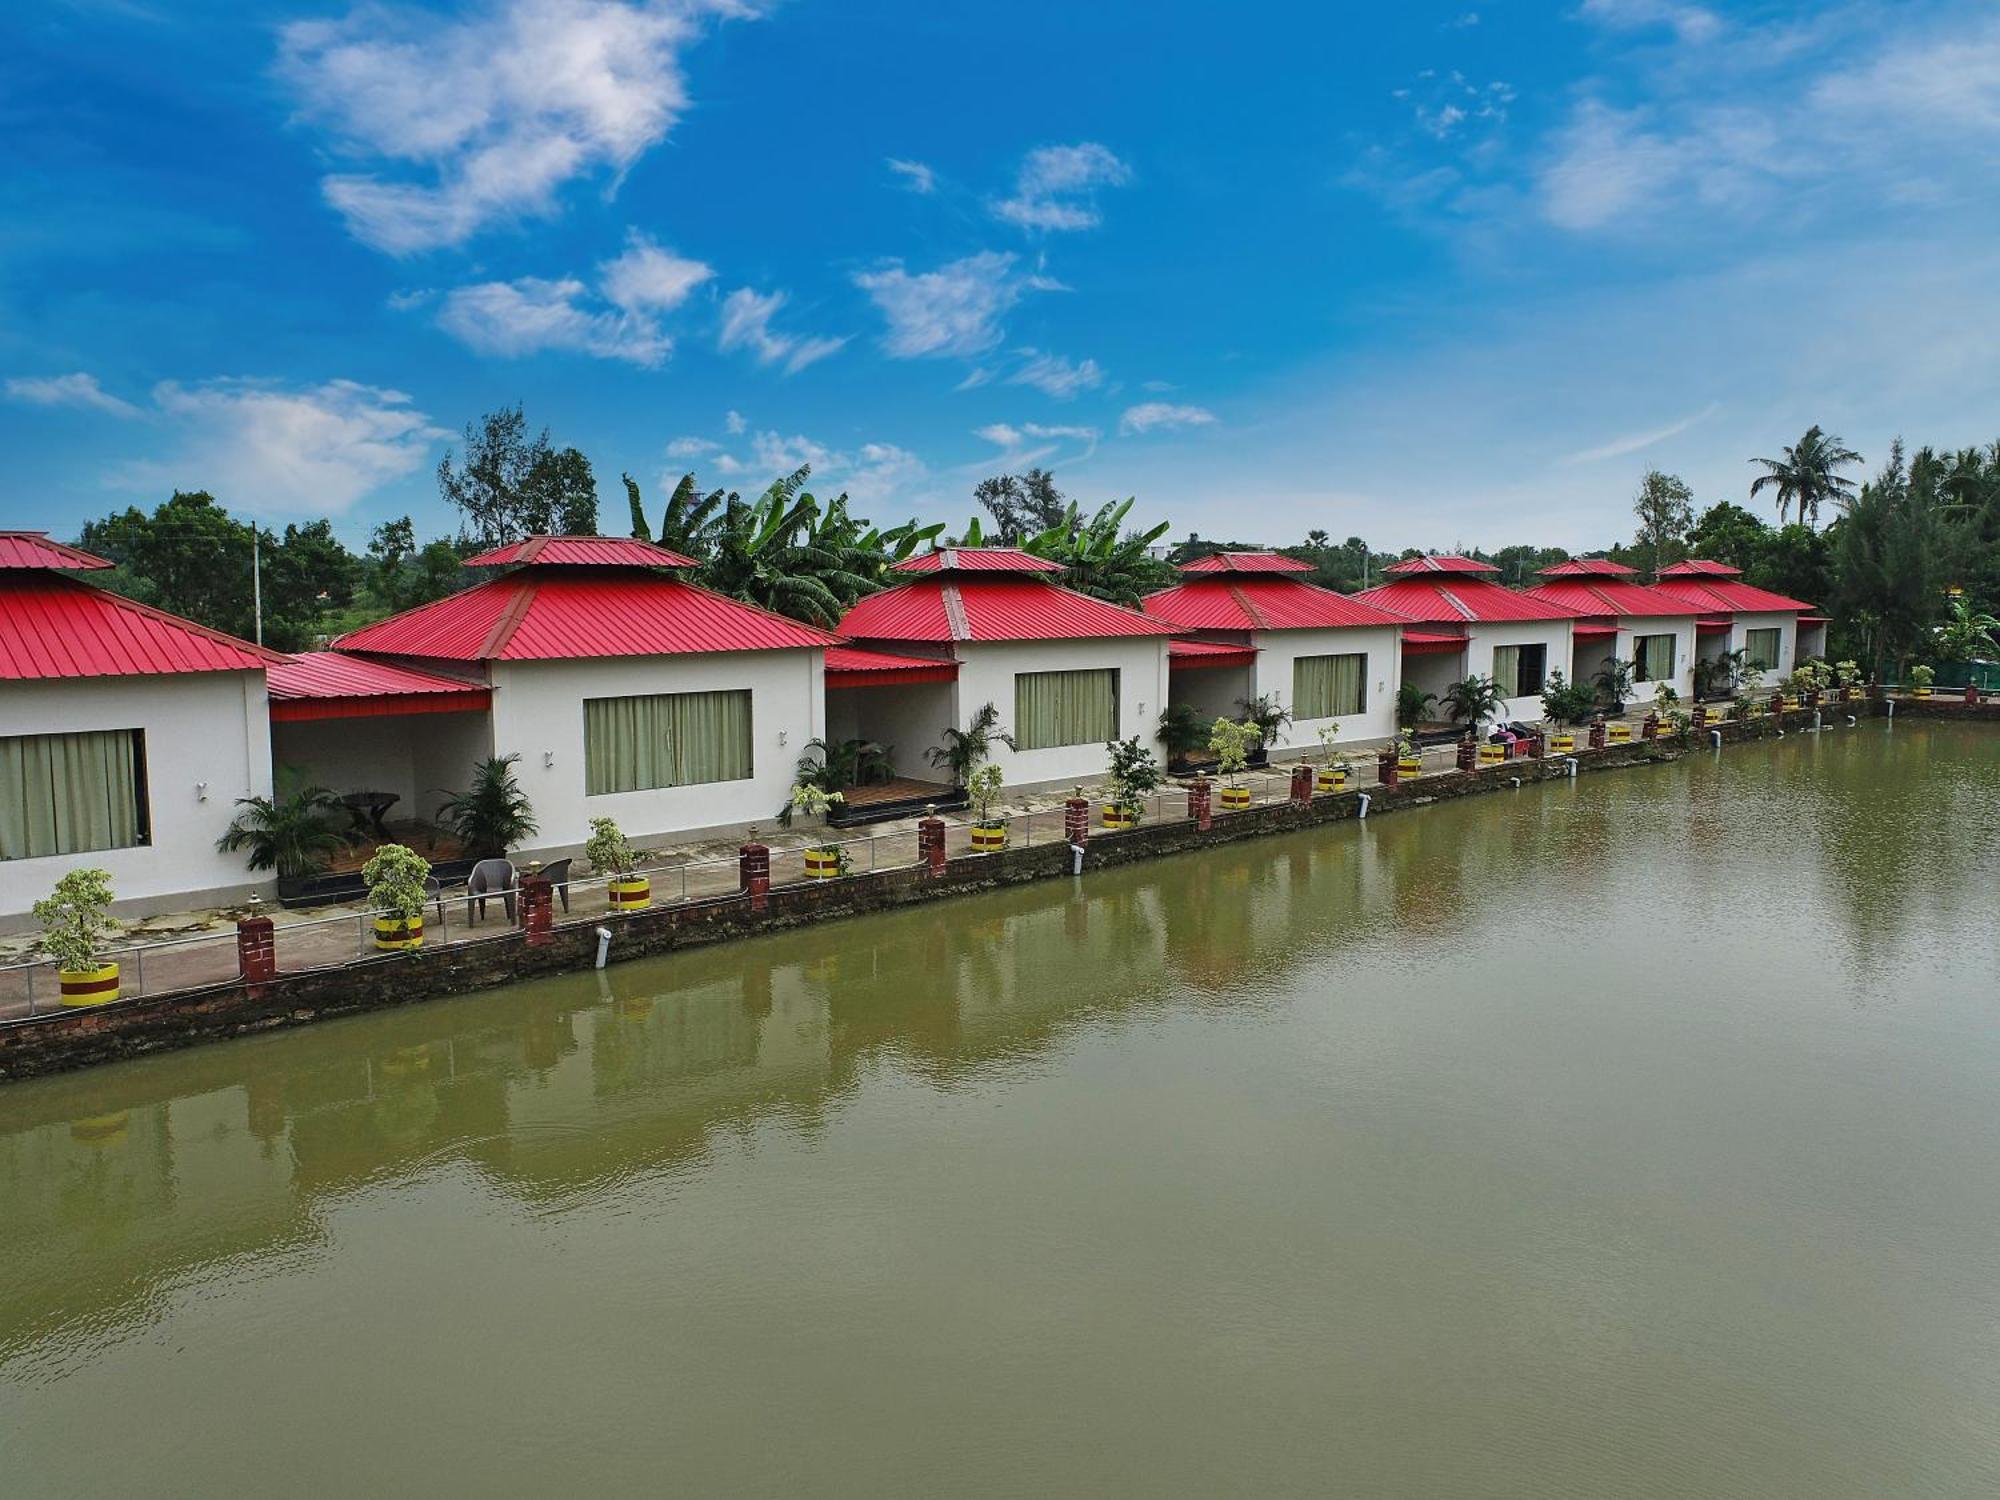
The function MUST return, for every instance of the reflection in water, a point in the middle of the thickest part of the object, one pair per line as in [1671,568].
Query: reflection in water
[569,1098]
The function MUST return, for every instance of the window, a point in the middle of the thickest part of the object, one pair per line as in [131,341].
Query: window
[1329,687]
[1065,708]
[1760,648]
[71,793]
[1520,670]
[665,739]
[1653,658]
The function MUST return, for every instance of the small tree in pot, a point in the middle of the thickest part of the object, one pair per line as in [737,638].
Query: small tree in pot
[982,787]
[611,853]
[395,876]
[76,921]
[1334,767]
[1231,744]
[827,859]
[1134,775]
[965,750]
[1921,678]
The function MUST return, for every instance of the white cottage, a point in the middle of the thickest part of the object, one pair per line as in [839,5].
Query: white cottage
[1622,620]
[126,737]
[1775,633]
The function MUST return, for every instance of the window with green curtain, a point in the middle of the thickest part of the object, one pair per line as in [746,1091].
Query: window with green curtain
[1653,658]
[1520,671]
[1760,647]
[71,793]
[665,739]
[1329,687]
[1065,708]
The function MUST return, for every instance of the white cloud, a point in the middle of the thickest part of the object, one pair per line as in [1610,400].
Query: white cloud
[263,447]
[746,324]
[691,447]
[1055,376]
[733,422]
[646,278]
[1004,435]
[916,176]
[1056,187]
[1633,442]
[1149,415]
[529,316]
[482,119]
[952,311]
[1691,23]
[79,389]
[872,474]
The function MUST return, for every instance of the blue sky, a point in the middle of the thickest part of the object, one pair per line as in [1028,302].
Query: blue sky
[1433,274]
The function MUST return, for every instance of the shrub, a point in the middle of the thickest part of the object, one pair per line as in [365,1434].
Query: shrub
[1412,703]
[1264,714]
[608,850]
[493,814]
[983,788]
[288,834]
[76,918]
[1180,731]
[1565,702]
[395,876]
[1134,773]
[1231,744]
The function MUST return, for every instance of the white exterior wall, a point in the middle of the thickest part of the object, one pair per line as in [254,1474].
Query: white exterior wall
[909,718]
[1788,626]
[1482,637]
[208,742]
[538,712]
[1278,649]
[1681,628]
[986,675]
[1212,692]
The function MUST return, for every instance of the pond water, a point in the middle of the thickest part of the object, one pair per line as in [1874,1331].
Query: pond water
[1636,1136]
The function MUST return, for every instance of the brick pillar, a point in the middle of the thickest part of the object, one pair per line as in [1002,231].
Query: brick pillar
[1538,744]
[1972,692]
[753,874]
[1385,767]
[1650,730]
[537,908]
[1201,803]
[1302,786]
[1076,819]
[256,949]
[1597,732]
[930,846]
[1468,753]
[1700,719]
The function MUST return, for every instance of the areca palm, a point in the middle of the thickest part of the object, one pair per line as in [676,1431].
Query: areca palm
[1474,701]
[1806,475]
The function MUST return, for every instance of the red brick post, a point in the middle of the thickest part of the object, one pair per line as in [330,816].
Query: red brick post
[1302,786]
[1201,803]
[256,949]
[1597,733]
[930,846]
[1650,730]
[537,909]
[1076,819]
[1385,767]
[1700,719]
[753,874]
[1972,692]
[1538,744]
[1468,753]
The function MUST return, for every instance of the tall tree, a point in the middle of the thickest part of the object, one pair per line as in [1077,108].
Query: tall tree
[401,574]
[512,485]
[1021,504]
[189,556]
[1889,564]
[559,493]
[1728,533]
[1665,508]
[1806,476]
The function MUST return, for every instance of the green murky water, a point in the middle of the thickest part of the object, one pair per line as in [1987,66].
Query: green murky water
[1639,1136]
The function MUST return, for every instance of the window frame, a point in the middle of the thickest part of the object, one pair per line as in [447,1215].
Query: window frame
[1750,657]
[142,795]
[1020,722]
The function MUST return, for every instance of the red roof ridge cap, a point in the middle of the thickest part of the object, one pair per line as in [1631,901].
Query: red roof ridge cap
[508,621]
[954,612]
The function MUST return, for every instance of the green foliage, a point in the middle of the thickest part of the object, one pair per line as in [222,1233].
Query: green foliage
[1665,508]
[1922,675]
[1231,744]
[1473,701]
[1264,714]
[395,876]
[1807,476]
[1967,633]
[1329,751]
[559,494]
[1134,773]
[1892,550]
[965,749]
[1021,505]
[512,485]
[814,801]
[1565,702]
[1101,559]
[493,814]
[399,574]
[608,850]
[1412,703]
[983,788]
[76,919]
[291,833]
[1613,682]
[1181,731]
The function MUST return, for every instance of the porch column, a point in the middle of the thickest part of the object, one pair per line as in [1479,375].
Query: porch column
[1201,797]
[753,874]
[930,846]
[1076,819]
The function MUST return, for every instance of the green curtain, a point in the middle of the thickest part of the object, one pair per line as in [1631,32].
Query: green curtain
[1507,670]
[1761,647]
[665,739]
[70,793]
[1065,708]
[1656,658]
[1329,687]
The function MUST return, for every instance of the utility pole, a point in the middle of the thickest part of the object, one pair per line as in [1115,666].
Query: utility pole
[256,584]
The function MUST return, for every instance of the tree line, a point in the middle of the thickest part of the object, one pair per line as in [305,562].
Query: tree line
[1907,553]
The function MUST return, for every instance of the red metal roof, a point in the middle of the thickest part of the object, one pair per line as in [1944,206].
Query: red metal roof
[1434,600]
[1431,643]
[856,666]
[1447,563]
[1247,562]
[1700,567]
[1713,595]
[1586,630]
[533,616]
[33,549]
[335,674]
[1611,596]
[52,626]
[1192,656]
[976,560]
[1239,603]
[1714,622]
[1589,567]
[990,609]
[582,551]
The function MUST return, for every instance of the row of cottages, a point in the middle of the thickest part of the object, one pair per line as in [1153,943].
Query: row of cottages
[1774,632]
[1253,628]
[1620,619]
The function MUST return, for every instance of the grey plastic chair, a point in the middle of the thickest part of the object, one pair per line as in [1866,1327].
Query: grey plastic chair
[490,877]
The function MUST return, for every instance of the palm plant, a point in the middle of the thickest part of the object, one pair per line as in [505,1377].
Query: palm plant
[1269,718]
[1181,732]
[964,749]
[1966,632]
[1805,475]
[1614,682]
[1473,701]
[493,814]
[290,835]
[1412,703]
[1097,558]
[690,521]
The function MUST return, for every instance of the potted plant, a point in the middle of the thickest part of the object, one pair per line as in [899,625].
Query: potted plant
[76,919]
[1181,732]
[1566,703]
[395,876]
[963,750]
[1921,678]
[1409,757]
[493,814]
[827,860]
[1334,767]
[1614,684]
[1412,703]
[1264,714]
[288,834]
[982,787]
[1230,743]
[1848,675]
[1134,774]
[611,853]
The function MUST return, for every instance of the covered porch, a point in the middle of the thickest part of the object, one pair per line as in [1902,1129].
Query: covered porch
[1711,644]
[1593,648]
[1811,638]
[885,712]
[1212,677]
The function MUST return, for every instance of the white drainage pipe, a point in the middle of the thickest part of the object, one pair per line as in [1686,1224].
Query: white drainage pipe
[1076,859]
[1816,722]
[1570,761]
[1514,782]
[1365,799]
[603,946]
[1715,738]
[1852,721]
[1892,710]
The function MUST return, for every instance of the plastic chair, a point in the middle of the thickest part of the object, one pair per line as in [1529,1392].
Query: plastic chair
[490,877]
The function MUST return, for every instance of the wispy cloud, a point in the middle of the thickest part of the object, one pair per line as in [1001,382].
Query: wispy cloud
[1691,23]
[1020,443]
[955,310]
[746,324]
[1632,442]
[647,278]
[1056,187]
[79,390]
[1055,376]
[871,474]
[915,175]
[1151,416]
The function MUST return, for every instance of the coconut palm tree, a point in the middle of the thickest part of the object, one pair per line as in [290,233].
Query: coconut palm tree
[290,835]
[1805,475]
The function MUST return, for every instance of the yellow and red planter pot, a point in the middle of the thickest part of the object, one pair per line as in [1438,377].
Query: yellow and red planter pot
[1562,744]
[1117,815]
[1923,692]
[822,864]
[98,986]
[1235,798]
[1330,779]
[392,933]
[989,838]
[1409,766]
[1618,734]
[1492,755]
[630,893]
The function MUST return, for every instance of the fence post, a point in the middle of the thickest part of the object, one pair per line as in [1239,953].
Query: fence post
[753,874]
[1650,730]
[537,909]
[1385,767]
[1302,786]
[1597,733]
[256,949]
[1468,753]
[930,846]
[1201,803]
[1076,819]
